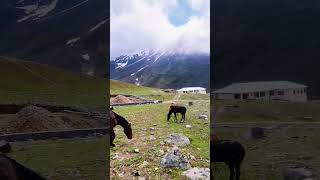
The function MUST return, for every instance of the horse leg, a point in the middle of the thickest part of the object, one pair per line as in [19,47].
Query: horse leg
[175,117]
[237,171]
[112,136]
[231,167]
[181,117]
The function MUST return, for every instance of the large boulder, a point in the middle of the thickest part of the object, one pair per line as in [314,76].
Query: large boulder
[197,174]
[5,146]
[177,139]
[297,173]
[175,159]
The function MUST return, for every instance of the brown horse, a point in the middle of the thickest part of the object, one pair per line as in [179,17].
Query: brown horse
[12,170]
[177,109]
[116,119]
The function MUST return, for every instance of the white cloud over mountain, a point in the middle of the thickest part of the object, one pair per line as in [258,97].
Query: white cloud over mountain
[145,24]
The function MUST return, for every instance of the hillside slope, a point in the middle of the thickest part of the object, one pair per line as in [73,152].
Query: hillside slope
[266,40]
[23,81]
[162,69]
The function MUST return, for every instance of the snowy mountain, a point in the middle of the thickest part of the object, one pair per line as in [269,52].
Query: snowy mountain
[70,34]
[162,69]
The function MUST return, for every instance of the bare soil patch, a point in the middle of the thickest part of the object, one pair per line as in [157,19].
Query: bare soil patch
[35,119]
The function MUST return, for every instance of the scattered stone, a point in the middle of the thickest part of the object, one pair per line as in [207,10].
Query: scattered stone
[203,116]
[188,126]
[151,133]
[258,132]
[177,139]
[5,146]
[136,150]
[152,138]
[197,174]
[152,128]
[174,158]
[143,129]
[154,124]
[190,103]
[297,173]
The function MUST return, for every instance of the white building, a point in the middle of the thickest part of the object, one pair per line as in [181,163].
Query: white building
[265,90]
[187,90]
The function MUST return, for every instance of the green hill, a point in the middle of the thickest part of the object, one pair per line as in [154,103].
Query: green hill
[23,82]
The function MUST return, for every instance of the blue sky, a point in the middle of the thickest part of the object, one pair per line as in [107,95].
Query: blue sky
[159,24]
[180,14]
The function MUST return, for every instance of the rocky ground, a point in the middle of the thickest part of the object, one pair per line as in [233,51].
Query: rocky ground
[161,149]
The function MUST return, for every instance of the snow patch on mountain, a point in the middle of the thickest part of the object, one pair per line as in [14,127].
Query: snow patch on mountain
[98,25]
[37,11]
[71,42]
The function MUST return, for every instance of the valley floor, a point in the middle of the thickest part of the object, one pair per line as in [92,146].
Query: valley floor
[150,129]
[291,137]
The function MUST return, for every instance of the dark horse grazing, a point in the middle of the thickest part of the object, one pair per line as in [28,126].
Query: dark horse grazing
[177,109]
[116,119]
[12,170]
[230,152]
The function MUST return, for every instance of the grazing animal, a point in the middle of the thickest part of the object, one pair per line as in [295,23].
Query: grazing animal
[177,109]
[116,119]
[12,170]
[230,152]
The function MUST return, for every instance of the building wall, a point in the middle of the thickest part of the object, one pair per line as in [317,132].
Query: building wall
[192,91]
[293,95]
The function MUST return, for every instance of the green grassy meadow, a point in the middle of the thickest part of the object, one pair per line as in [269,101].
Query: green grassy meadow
[125,161]
[291,136]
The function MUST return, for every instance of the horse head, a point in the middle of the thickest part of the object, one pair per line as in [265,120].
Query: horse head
[128,130]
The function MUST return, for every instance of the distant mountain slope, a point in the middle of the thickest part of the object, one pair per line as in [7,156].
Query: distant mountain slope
[162,69]
[23,81]
[266,40]
[70,34]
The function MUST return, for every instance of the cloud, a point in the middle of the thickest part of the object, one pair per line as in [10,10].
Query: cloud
[144,24]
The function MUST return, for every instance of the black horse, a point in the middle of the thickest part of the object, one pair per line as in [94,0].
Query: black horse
[177,109]
[230,152]
[12,170]
[116,119]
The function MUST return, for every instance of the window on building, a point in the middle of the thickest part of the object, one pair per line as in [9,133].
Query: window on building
[280,93]
[262,94]
[294,91]
[245,96]
[304,90]
[271,93]
[256,94]
[237,96]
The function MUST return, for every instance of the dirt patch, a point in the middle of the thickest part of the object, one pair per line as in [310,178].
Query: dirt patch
[35,119]
[120,99]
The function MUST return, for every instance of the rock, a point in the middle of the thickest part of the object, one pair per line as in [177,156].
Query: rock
[203,116]
[152,128]
[197,174]
[258,132]
[190,103]
[136,150]
[297,173]
[154,124]
[177,139]
[143,129]
[188,126]
[174,158]
[152,138]
[5,146]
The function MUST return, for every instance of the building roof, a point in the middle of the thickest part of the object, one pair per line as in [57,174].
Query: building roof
[259,86]
[191,88]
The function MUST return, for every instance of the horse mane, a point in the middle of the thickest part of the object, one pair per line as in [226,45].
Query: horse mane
[120,120]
